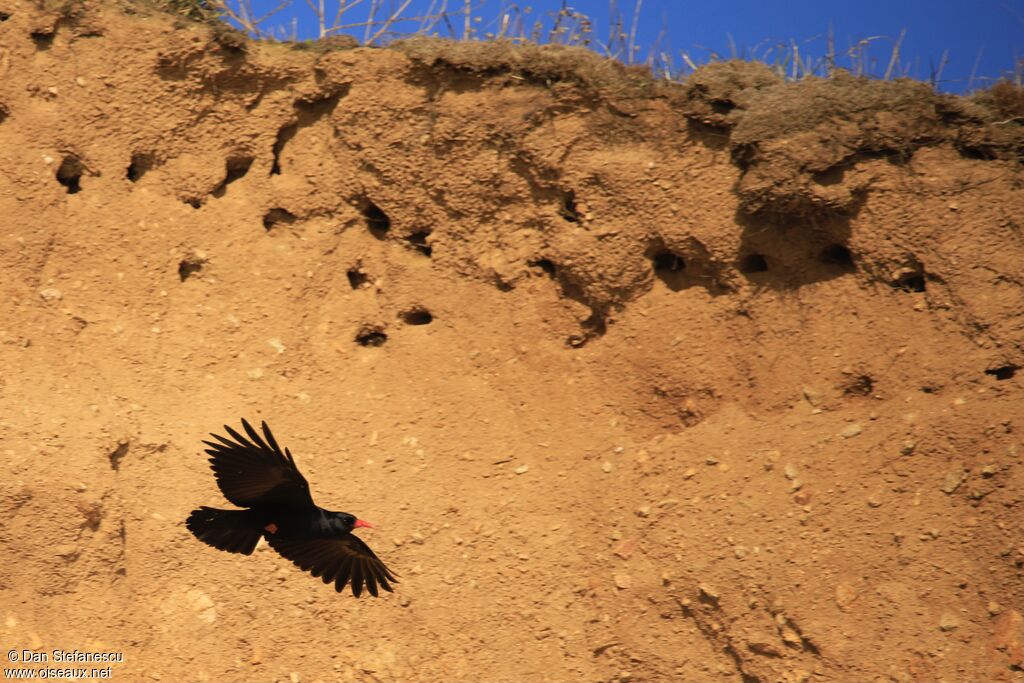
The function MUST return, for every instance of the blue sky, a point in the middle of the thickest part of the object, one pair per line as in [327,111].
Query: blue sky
[983,37]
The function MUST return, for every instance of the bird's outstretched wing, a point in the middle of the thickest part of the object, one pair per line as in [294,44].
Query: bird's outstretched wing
[341,560]
[256,472]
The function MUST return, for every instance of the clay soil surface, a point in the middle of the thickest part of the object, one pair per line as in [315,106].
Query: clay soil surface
[720,381]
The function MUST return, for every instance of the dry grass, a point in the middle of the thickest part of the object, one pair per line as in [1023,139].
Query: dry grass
[382,22]
[1007,98]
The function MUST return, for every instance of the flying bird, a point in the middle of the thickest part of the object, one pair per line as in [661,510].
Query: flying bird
[256,475]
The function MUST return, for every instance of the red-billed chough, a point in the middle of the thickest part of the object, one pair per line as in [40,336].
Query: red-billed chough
[254,474]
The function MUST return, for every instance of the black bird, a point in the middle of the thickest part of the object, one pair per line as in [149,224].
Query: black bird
[254,474]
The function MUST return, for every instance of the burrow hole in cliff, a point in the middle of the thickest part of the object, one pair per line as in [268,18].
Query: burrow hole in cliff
[356,277]
[1004,372]
[4,16]
[418,241]
[417,316]
[669,267]
[831,176]
[4,113]
[43,39]
[284,134]
[194,202]
[837,255]
[371,336]
[69,174]
[974,152]
[567,207]
[911,281]
[722,107]
[666,261]
[377,222]
[753,263]
[141,164]
[192,265]
[277,216]
[235,168]
[547,266]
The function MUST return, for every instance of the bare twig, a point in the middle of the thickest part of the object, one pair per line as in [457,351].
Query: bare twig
[242,16]
[974,69]
[830,54]
[386,25]
[936,75]
[654,50]
[632,30]
[895,56]
[689,62]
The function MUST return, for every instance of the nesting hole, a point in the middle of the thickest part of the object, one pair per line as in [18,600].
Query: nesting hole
[277,216]
[910,282]
[418,241]
[42,39]
[4,113]
[235,168]
[831,176]
[371,336]
[190,266]
[837,255]
[417,316]
[1003,373]
[4,16]
[284,134]
[377,222]
[546,265]
[70,174]
[722,107]
[666,262]
[753,263]
[567,210]
[356,278]
[140,165]
[968,152]
[670,268]
[194,202]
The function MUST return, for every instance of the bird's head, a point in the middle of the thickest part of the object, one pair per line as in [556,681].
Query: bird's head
[351,522]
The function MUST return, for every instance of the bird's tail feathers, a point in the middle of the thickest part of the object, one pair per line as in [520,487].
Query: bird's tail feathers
[230,530]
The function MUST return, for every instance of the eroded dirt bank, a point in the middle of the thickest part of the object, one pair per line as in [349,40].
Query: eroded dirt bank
[708,382]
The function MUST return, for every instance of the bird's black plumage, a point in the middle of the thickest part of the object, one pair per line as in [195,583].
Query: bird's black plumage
[255,474]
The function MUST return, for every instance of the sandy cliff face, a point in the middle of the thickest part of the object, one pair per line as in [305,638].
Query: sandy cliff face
[718,381]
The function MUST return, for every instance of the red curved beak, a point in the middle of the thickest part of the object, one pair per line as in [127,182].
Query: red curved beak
[360,523]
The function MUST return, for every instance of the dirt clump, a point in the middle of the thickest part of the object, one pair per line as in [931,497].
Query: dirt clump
[796,142]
